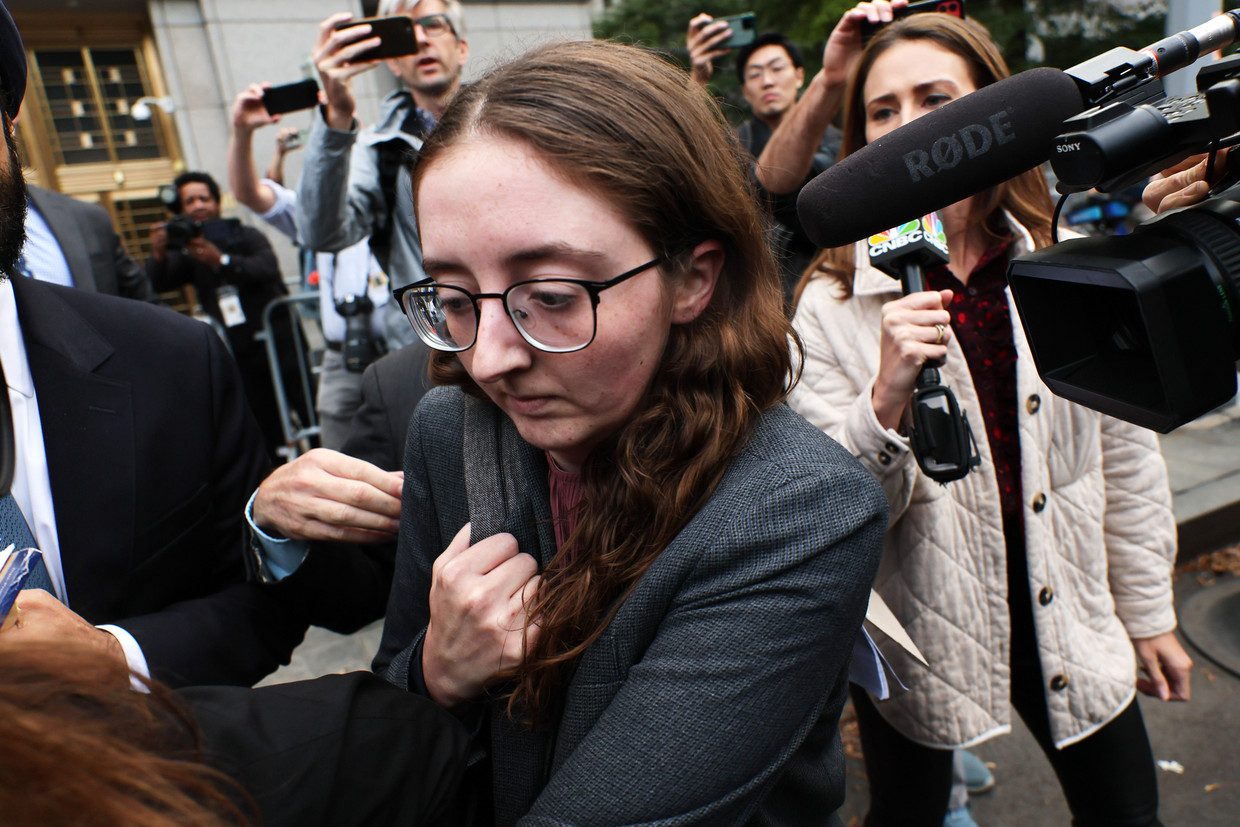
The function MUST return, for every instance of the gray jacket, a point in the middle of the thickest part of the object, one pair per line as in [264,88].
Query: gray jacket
[714,695]
[91,247]
[340,199]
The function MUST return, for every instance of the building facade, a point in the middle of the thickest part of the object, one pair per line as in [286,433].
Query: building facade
[92,60]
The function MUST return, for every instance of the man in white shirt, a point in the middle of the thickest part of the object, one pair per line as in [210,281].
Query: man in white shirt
[73,243]
[135,454]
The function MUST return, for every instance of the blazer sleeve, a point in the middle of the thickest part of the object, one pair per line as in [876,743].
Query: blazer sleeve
[342,586]
[1139,527]
[131,279]
[128,277]
[234,632]
[742,667]
[419,543]
[339,198]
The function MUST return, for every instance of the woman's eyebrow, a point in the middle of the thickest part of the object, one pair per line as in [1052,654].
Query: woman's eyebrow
[556,251]
[543,253]
[924,86]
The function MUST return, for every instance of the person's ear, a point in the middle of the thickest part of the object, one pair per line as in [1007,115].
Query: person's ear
[695,288]
[393,67]
[462,47]
[800,76]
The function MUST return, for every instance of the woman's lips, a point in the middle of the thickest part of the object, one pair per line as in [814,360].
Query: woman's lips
[527,405]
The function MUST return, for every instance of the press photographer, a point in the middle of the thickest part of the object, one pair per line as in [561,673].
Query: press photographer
[234,273]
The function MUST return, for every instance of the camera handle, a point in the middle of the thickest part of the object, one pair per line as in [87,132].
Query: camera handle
[943,442]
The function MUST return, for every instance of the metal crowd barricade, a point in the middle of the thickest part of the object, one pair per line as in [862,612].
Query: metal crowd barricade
[296,384]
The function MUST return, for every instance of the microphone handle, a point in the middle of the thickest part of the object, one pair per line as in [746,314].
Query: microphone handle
[913,280]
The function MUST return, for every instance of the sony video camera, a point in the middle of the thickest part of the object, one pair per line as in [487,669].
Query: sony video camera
[1142,327]
[1123,142]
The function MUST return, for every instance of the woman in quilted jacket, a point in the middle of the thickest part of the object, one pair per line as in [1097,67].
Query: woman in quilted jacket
[1040,581]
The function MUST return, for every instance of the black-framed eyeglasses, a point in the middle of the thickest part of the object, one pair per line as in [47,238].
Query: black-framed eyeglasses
[435,25]
[556,315]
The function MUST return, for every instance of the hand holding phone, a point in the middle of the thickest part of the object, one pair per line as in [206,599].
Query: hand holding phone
[336,57]
[706,40]
[395,33]
[744,29]
[291,97]
[953,7]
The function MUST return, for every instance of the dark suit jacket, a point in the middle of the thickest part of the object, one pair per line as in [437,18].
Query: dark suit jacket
[91,246]
[714,695]
[152,454]
[343,587]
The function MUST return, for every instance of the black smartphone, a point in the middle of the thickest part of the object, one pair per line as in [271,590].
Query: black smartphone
[953,7]
[395,34]
[744,29]
[290,97]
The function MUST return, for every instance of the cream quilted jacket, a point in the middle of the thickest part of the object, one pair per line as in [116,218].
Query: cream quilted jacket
[1099,533]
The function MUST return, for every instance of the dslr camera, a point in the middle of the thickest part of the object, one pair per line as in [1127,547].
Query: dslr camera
[181,229]
[359,348]
[1144,326]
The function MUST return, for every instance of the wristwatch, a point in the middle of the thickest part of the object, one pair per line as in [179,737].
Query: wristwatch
[225,260]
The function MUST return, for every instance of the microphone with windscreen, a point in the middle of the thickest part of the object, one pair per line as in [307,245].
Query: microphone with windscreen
[964,147]
[988,136]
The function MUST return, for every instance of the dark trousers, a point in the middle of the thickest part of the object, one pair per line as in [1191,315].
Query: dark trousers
[1108,778]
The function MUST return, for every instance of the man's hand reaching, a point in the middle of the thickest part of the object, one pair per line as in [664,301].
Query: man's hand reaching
[330,496]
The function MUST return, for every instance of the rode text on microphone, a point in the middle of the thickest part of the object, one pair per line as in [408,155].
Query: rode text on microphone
[1007,128]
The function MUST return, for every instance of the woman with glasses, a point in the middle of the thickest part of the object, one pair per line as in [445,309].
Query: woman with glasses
[623,562]
[1031,582]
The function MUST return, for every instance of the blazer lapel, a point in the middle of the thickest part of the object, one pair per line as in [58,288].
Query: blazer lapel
[88,440]
[506,481]
[69,237]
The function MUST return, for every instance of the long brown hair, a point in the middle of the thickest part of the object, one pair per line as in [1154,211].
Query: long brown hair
[623,123]
[79,746]
[1026,196]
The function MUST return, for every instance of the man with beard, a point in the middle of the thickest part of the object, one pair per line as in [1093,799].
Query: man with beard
[356,184]
[135,453]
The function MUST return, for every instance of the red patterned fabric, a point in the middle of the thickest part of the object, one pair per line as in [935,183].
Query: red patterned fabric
[982,323]
[565,489]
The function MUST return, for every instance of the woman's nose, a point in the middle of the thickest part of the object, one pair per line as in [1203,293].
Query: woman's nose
[498,348]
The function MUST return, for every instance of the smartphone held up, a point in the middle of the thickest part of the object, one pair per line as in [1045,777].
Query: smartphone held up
[396,36]
[291,97]
[744,29]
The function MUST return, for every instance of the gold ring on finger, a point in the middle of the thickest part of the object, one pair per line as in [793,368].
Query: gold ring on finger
[940,329]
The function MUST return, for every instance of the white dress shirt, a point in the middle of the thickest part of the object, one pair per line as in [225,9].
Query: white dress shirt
[32,488]
[340,274]
[42,253]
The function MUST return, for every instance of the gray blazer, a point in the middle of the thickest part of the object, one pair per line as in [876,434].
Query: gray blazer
[714,695]
[97,261]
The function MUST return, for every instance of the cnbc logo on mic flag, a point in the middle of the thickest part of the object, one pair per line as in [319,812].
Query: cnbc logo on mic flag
[928,229]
